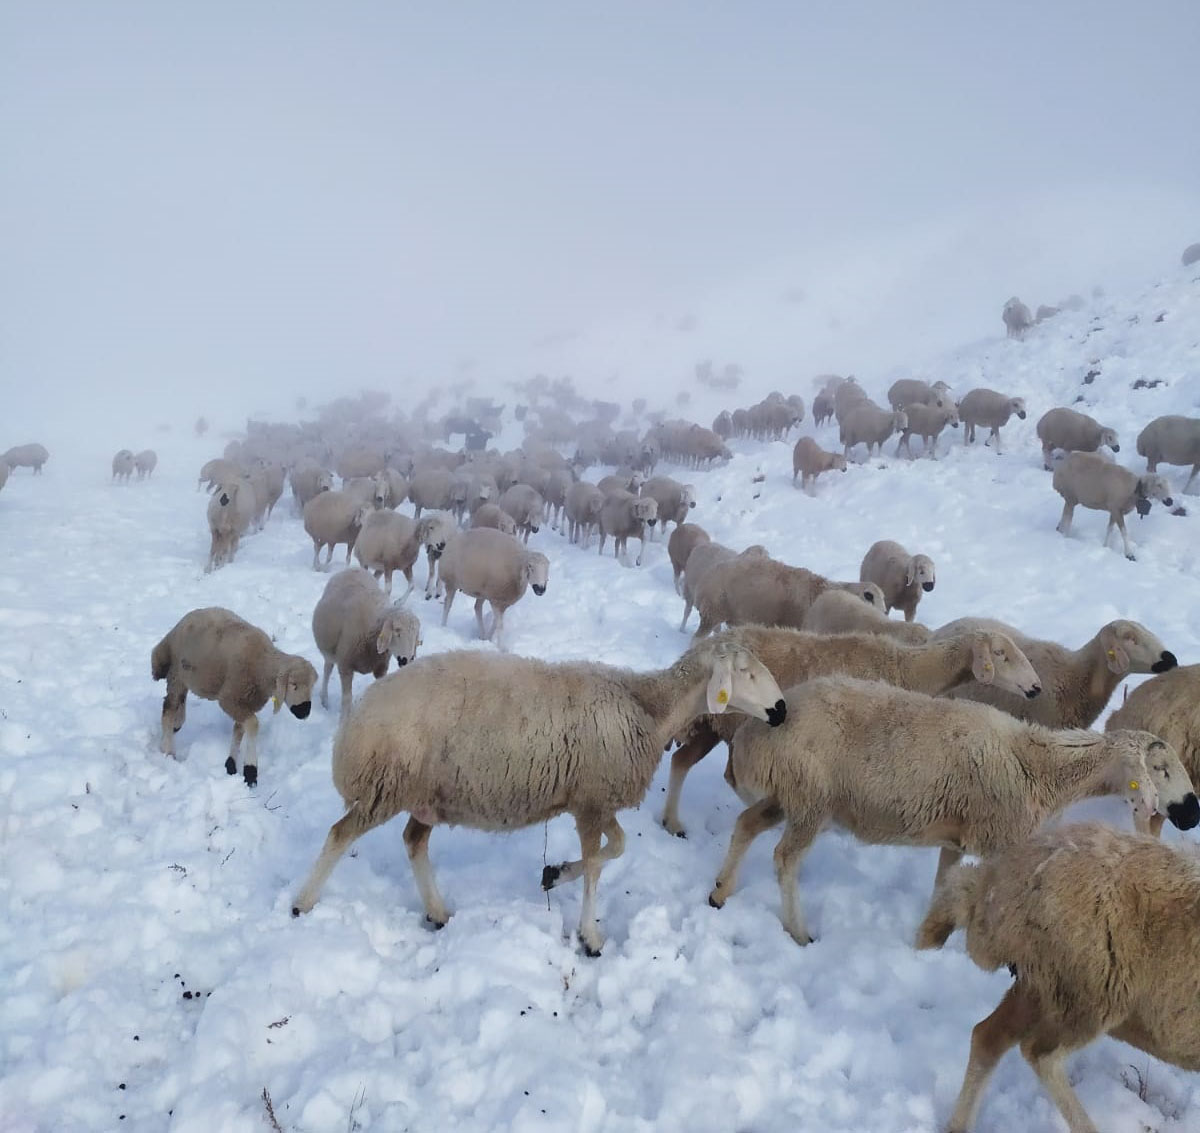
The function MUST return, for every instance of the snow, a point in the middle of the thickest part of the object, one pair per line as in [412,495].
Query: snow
[155,979]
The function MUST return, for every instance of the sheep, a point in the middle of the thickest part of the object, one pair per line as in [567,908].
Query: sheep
[122,465]
[217,471]
[866,423]
[215,655]
[1017,319]
[927,422]
[558,482]
[366,491]
[683,541]
[394,485]
[309,480]
[453,740]
[431,487]
[470,490]
[331,518]
[836,611]
[388,542]
[362,460]
[26,456]
[491,566]
[230,513]
[914,391]
[1078,683]
[763,590]
[1191,255]
[267,478]
[902,577]
[490,515]
[793,656]
[674,499]
[1098,927]
[723,425]
[846,396]
[629,480]
[146,461]
[1089,479]
[701,560]
[1169,706]
[823,407]
[991,409]
[809,460]
[1072,431]
[1172,440]
[623,515]
[357,629]
[526,506]
[964,777]
[583,504]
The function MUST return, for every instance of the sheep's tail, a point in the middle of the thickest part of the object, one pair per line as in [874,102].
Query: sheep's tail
[950,907]
[160,660]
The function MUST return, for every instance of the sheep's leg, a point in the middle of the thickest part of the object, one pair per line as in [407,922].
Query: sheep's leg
[416,842]
[684,758]
[479,619]
[641,548]
[592,859]
[1048,1059]
[1048,457]
[430,589]
[250,763]
[174,711]
[347,676]
[752,822]
[498,626]
[408,577]
[614,847]
[947,860]
[990,1040]
[329,555]
[351,826]
[316,555]
[349,548]
[687,613]
[797,838]
[325,682]
[1068,513]
[234,748]
[450,592]
[1118,520]
[1187,488]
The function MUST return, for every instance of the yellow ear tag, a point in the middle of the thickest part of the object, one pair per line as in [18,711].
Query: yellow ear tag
[722,697]
[278,701]
[987,666]
[1134,784]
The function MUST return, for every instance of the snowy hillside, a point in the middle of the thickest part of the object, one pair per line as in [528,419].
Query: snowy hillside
[154,978]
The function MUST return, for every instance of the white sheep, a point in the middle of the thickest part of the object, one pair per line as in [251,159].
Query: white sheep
[357,629]
[866,423]
[1072,431]
[793,656]
[1088,479]
[1077,683]
[988,408]
[331,518]
[762,590]
[307,480]
[431,487]
[217,471]
[498,742]
[809,460]
[122,465]
[902,577]
[215,655]
[624,515]
[1099,929]
[702,559]
[527,508]
[927,422]
[837,611]
[490,515]
[914,391]
[1172,440]
[1017,319]
[959,776]
[145,462]
[673,500]
[1169,706]
[683,541]
[583,504]
[26,456]
[494,567]
[388,542]
[230,513]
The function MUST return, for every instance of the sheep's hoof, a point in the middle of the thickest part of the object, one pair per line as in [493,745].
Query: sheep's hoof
[295,910]
[1131,558]
[588,950]
[801,940]
[550,875]
[436,925]
[231,766]
[250,774]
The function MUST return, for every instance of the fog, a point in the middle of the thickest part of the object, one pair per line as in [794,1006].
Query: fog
[215,207]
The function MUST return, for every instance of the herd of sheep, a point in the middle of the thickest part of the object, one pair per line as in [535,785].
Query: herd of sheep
[965,738]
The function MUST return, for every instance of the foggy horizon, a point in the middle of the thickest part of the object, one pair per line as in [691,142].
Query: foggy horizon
[253,204]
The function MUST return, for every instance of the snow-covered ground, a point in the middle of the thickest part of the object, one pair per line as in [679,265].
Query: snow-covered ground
[154,978]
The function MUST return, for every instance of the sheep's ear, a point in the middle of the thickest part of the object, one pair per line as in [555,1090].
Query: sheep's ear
[384,640]
[720,686]
[910,573]
[1117,658]
[982,668]
[280,690]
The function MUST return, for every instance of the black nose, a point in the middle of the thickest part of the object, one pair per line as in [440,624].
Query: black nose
[1186,814]
[1033,692]
[652,522]
[1021,414]
[539,590]
[224,499]
[777,715]
[927,586]
[1166,662]
[1115,447]
[401,662]
[300,711]
[1168,502]
[692,504]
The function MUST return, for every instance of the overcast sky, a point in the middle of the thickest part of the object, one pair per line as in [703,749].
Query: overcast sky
[344,194]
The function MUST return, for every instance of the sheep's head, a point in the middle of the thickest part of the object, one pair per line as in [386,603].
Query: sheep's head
[435,531]
[1130,647]
[294,684]
[1109,437]
[324,482]
[837,461]
[687,498]
[742,682]
[949,410]
[1017,405]
[996,660]
[1151,486]
[1176,793]
[920,572]
[1147,773]
[869,592]
[399,635]
[646,509]
[537,572]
